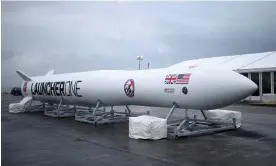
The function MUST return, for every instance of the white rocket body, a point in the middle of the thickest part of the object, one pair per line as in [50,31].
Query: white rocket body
[190,89]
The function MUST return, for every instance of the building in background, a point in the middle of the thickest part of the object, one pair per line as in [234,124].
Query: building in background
[259,67]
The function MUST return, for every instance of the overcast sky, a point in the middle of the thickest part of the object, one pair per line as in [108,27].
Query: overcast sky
[80,36]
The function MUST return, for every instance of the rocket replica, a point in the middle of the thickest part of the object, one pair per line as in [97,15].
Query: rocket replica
[189,88]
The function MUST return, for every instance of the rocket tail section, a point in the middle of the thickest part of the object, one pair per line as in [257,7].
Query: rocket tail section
[24,76]
[51,72]
[25,79]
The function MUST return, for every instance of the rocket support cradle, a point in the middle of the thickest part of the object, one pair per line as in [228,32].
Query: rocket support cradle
[176,128]
[96,115]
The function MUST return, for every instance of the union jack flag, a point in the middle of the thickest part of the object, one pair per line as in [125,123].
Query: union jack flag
[171,79]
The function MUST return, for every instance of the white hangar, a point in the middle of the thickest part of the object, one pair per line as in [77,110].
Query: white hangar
[259,67]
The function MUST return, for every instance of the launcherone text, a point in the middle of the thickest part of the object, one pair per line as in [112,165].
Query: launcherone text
[59,88]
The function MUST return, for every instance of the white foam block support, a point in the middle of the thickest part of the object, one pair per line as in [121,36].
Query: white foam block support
[224,116]
[19,107]
[147,127]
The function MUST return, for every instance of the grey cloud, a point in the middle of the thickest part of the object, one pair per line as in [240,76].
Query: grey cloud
[6,55]
[79,36]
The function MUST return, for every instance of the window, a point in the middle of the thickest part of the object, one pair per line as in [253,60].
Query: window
[274,82]
[266,81]
[245,74]
[255,79]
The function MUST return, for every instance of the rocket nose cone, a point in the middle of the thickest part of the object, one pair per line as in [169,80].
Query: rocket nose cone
[252,86]
[248,86]
[220,88]
[241,86]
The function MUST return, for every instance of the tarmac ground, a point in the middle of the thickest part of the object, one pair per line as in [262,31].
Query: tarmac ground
[34,139]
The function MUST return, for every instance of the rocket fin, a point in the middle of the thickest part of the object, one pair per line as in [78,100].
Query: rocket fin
[23,76]
[51,72]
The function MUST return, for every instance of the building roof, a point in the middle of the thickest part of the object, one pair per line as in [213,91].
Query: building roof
[265,61]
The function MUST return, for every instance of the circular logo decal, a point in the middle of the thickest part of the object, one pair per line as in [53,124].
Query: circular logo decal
[25,87]
[129,88]
[185,90]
